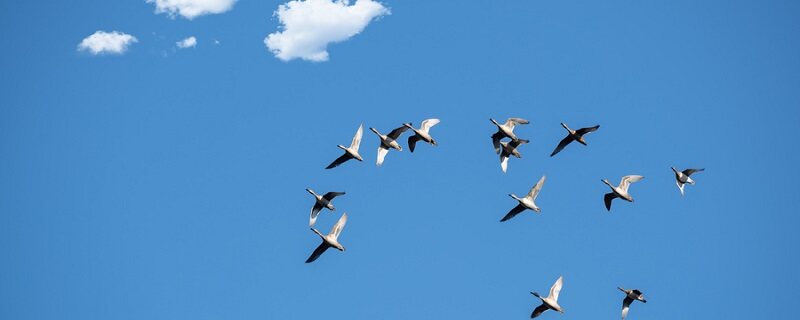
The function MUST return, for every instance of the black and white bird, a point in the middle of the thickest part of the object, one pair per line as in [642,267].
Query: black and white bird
[551,301]
[620,191]
[329,240]
[526,202]
[630,295]
[422,133]
[388,141]
[322,201]
[505,130]
[350,152]
[509,149]
[682,177]
[573,135]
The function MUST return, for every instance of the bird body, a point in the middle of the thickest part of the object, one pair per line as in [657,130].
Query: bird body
[630,296]
[322,201]
[329,240]
[422,133]
[683,177]
[388,141]
[620,191]
[551,301]
[350,152]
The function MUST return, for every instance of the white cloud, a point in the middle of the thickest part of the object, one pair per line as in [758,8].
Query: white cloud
[310,25]
[189,42]
[191,9]
[101,42]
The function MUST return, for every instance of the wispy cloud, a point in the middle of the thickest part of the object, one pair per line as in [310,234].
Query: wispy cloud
[102,42]
[191,9]
[189,42]
[310,25]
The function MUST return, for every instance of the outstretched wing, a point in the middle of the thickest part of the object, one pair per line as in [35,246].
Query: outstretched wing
[397,132]
[583,131]
[516,143]
[330,195]
[564,142]
[556,288]
[607,199]
[514,212]
[346,156]
[427,124]
[511,122]
[626,304]
[538,311]
[337,228]
[689,172]
[504,161]
[412,142]
[357,138]
[314,213]
[318,252]
[381,154]
[627,180]
[496,141]
[535,190]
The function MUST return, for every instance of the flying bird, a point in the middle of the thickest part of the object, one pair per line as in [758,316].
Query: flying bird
[527,202]
[349,152]
[630,295]
[682,177]
[329,240]
[621,191]
[551,302]
[421,134]
[388,141]
[510,149]
[573,135]
[505,130]
[322,201]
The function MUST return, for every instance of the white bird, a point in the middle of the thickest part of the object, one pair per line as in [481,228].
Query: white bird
[329,240]
[510,149]
[388,141]
[349,152]
[551,301]
[527,202]
[630,295]
[422,133]
[505,130]
[682,177]
[621,191]
[322,201]
[573,135]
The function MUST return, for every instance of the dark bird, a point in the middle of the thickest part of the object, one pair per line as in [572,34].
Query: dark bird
[573,135]
[630,295]
[682,177]
[322,201]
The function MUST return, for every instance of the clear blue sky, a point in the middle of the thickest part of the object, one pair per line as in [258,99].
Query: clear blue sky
[168,184]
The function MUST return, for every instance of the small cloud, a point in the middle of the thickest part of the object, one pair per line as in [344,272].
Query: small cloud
[102,42]
[191,9]
[189,42]
[310,25]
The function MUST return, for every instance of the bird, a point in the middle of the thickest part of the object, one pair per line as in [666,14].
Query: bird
[510,149]
[527,202]
[322,201]
[621,191]
[329,240]
[630,295]
[422,133]
[682,177]
[349,152]
[573,135]
[551,301]
[388,141]
[505,130]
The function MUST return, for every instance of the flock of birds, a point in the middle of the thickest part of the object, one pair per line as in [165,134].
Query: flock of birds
[505,149]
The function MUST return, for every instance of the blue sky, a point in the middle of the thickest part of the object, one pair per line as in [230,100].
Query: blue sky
[168,184]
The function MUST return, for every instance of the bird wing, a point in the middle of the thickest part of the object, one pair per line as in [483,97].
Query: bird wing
[427,124]
[318,252]
[412,142]
[513,212]
[496,141]
[516,143]
[627,180]
[397,132]
[357,138]
[541,308]
[583,131]
[556,288]
[535,190]
[689,172]
[607,199]
[330,195]
[346,156]
[314,213]
[511,122]
[503,161]
[564,142]
[626,304]
[381,154]
[680,186]
[337,228]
